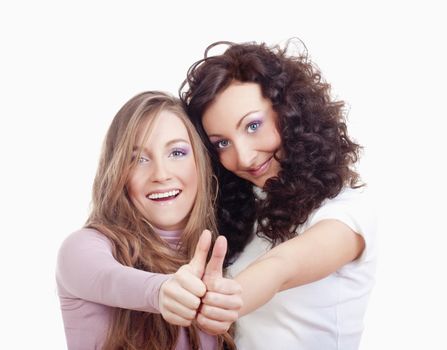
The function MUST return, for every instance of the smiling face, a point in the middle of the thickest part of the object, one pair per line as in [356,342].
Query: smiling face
[242,125]
[163,185]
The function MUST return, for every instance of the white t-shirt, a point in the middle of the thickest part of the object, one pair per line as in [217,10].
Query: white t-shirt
[322,315]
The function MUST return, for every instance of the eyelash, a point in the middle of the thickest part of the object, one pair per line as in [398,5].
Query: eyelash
[218,146]
[178,153]
[258,123]
[142,160]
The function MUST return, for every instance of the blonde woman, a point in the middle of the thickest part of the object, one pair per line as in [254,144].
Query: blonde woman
[133,277]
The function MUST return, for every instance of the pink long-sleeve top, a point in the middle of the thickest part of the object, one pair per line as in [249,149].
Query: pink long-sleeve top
[91,283]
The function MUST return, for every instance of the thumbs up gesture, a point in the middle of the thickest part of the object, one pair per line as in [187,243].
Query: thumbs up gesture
[223,298]
[179,297]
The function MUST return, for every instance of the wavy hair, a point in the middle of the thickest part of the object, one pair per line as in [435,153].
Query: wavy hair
[318,155]
[134,242]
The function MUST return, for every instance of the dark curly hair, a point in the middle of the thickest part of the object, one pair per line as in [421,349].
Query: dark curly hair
[318,154]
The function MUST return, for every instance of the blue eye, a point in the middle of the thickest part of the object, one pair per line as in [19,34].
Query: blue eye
[140,160]
[178,153]
[253,126]
[221,144]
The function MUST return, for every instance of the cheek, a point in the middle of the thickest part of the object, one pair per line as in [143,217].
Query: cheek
[191,176]
[272,139]
[134,186]
[276,142]
[227,159]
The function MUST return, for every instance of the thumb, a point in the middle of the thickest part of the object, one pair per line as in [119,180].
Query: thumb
[215,265]
[198,261]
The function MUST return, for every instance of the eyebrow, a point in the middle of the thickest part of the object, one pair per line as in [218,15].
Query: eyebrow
[239,122]
[136,148]
[177,140]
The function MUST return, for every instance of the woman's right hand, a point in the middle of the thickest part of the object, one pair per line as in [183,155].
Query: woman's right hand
[179,297]
[223,299]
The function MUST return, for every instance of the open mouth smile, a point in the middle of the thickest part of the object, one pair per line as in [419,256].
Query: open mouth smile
[163,196]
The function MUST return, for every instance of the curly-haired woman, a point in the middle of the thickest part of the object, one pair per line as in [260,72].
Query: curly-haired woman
[300,227]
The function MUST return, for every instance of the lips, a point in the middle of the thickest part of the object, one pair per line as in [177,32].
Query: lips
[261,169]
[163,195]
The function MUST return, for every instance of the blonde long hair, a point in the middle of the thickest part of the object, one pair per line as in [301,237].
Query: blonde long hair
[134,242]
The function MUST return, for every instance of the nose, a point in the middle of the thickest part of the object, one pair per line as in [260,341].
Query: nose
[246,156]
[160,171]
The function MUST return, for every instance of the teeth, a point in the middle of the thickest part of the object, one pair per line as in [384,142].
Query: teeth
[163,194]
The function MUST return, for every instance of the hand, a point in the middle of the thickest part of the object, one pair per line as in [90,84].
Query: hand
[179,296]
[223,298]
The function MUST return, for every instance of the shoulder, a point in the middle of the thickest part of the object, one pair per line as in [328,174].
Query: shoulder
[355,208]
[81,250]
[357,201]
[83,239]
[350,195]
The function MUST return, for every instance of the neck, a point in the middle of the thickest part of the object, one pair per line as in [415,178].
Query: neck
[171,237]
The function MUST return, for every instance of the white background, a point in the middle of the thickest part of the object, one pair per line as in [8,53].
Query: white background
[66,68]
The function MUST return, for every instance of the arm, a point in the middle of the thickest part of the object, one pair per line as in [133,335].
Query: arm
[315,254]
[86,269]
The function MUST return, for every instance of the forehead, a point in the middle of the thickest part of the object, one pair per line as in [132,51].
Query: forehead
[235,102]
[165,127]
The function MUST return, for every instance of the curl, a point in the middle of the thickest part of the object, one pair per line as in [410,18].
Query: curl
[318,155]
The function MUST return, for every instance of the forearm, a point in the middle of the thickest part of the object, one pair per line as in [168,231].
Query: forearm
[260,282]
[126,288]
[87,270]
[315,254]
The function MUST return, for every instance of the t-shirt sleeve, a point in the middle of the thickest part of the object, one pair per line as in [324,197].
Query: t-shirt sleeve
[86,269]
[356,209]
